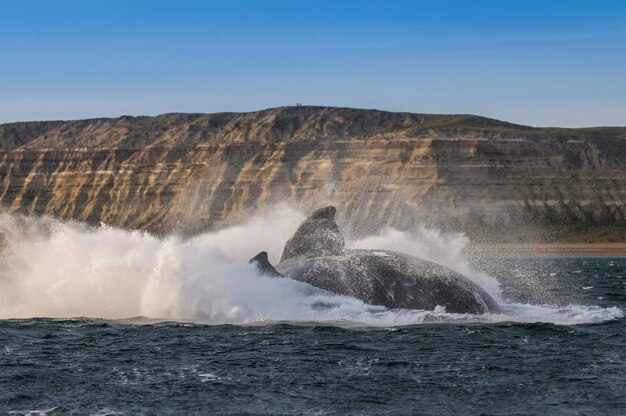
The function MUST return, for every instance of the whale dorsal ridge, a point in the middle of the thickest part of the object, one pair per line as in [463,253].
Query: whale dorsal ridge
[317,236]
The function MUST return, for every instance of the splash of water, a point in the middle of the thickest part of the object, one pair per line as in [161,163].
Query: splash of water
[57,269]
[50,268]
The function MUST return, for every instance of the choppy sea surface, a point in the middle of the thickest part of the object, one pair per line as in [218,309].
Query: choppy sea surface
[559,347]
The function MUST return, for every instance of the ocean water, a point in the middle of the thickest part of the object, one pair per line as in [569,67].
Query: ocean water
[103,321]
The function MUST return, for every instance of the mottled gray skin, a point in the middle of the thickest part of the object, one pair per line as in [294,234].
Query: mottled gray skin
[317,236]
[315,254]
[394,280]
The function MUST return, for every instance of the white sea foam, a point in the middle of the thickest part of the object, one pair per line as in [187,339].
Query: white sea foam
[50,268]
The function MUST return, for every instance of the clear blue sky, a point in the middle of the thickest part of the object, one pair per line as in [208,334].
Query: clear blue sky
[559,62]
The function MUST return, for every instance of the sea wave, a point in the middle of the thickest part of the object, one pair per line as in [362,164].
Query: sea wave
[59,269]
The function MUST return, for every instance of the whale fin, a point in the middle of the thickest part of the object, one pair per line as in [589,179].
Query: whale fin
[317,236]
[264,266]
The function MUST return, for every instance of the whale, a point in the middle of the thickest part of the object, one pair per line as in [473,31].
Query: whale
[316,254]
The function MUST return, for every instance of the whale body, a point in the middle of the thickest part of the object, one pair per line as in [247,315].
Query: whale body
[316,255]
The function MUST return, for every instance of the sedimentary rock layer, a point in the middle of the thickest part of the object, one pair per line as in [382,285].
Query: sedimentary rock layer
[193,172]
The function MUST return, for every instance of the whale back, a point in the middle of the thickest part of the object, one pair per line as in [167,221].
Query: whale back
[391,279]
[317,236]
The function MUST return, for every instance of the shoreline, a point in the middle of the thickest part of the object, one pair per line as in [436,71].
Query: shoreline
[549,249]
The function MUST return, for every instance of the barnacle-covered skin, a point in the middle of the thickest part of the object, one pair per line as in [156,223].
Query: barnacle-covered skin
[316,255]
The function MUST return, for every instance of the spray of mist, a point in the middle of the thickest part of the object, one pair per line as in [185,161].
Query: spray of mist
[50,268]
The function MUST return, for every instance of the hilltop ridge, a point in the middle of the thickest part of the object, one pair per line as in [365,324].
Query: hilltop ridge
[266,126]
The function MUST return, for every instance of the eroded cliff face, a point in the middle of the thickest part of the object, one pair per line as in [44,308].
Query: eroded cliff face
[189,173]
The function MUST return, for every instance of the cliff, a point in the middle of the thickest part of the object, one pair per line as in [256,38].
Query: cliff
[192,172]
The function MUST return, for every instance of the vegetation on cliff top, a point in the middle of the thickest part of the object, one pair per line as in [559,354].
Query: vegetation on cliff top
[302,123]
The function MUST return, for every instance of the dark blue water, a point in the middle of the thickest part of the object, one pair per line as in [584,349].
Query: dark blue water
[494,367]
